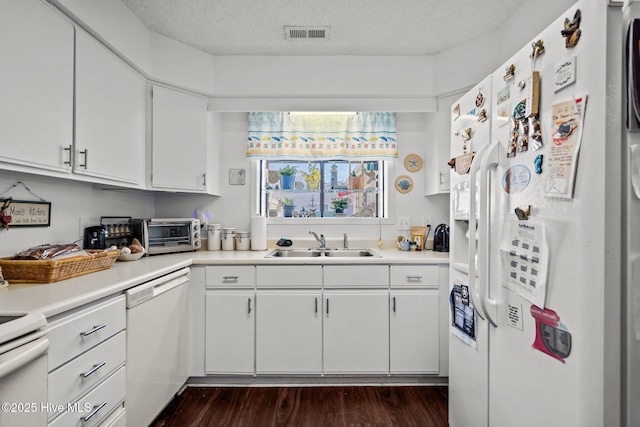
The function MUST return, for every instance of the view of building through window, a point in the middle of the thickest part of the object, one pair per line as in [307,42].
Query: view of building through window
[327,188]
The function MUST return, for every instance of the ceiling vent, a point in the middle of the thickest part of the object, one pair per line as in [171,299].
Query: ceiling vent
[306,33]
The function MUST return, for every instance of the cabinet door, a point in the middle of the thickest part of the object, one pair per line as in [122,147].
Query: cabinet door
[110,115]
[229,324]
[356,332]
[36,83]
[289,332]
[179,153]
[414,340]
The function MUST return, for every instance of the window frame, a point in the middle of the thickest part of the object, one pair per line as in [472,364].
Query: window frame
[384,205]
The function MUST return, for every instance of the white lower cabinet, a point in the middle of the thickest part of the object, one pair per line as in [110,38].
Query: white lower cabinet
[87,380]
[413,323]
[230,330]
[356,332]
[289,332]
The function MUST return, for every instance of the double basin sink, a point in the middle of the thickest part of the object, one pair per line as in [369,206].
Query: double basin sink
[317,252]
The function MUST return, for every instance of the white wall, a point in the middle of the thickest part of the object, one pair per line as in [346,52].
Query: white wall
[465,65]
[71,203]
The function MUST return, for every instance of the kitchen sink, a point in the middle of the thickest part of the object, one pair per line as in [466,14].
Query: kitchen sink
[294,253]
[310,253]
[351,253]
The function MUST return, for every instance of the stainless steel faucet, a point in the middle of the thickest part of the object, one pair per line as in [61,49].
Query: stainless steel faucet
[345,241]
[319,239]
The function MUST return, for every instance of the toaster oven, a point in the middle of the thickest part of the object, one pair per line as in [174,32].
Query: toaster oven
[167,235]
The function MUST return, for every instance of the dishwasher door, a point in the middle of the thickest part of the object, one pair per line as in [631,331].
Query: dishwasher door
[157,333]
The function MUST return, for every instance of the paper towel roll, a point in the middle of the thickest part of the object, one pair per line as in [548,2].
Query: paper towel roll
[258,233]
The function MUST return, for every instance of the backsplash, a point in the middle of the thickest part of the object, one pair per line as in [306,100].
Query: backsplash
[73,204]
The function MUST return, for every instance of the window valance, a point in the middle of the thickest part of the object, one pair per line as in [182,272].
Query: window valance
[363,136]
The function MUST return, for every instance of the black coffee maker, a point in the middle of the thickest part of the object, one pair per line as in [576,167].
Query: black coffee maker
[441,238]
[95,237]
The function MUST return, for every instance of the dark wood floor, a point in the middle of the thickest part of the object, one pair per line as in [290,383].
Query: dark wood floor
[307,406]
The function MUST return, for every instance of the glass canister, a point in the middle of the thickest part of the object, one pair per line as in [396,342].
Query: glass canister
[214,234]
[228,239]
[243,239]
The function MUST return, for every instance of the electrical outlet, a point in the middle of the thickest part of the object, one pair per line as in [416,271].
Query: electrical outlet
[404,223]
[426,220]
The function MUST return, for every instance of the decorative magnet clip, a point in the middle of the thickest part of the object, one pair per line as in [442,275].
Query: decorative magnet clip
[510,71]
[538,49]
[572,32]
[538,163]
[466,134]
[523,212]
[452,163]
[482,115]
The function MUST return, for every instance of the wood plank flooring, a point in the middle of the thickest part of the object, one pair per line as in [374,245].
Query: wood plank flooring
[409,406]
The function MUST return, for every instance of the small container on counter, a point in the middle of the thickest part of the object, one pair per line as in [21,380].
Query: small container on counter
[214,234]
[243,239]
[228,239]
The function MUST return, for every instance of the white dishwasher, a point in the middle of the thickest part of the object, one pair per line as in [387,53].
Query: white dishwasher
[157,333]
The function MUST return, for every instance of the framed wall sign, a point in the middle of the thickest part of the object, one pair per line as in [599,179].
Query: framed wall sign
[25,213]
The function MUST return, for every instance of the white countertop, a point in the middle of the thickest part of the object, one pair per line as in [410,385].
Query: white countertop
[55,298]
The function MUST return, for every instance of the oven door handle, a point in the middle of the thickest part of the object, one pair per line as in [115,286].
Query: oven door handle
[21,356]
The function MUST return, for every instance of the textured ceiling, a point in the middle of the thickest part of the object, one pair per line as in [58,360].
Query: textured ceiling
[358,27]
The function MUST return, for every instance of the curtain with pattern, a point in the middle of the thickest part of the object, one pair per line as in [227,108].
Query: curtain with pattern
[283,135]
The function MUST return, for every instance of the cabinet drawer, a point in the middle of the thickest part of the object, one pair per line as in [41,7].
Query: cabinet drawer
[72,380]
[289,276]
[351,276]
[75,333]
[91,409]
[231,276]
[414,276]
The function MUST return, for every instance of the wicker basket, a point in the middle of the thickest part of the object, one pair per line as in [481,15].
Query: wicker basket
[49,271]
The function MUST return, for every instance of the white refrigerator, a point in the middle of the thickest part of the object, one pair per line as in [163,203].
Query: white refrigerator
[536,267]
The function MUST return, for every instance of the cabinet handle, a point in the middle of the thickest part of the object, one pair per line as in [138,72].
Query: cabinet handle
[327,305]
[230,278]
[95,329]
[85,152]
[410,278]
[394,304]
[96,408]
[68,162]
[249,305]
[204,179]
[316,305]
[92,370]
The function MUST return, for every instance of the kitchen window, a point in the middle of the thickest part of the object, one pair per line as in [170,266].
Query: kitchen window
[322,188]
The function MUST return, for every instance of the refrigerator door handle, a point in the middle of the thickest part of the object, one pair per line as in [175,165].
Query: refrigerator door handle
[489,306]
[473,221]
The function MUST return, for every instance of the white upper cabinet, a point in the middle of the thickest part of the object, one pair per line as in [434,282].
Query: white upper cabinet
[437,171]
[110,115]
[179,141]
[36,86]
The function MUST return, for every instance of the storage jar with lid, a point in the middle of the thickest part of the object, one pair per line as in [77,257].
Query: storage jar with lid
[243,239]
[228,239]
[214,233]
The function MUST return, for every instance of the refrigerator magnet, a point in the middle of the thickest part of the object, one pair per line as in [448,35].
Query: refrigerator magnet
[552,337]
[516,179]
